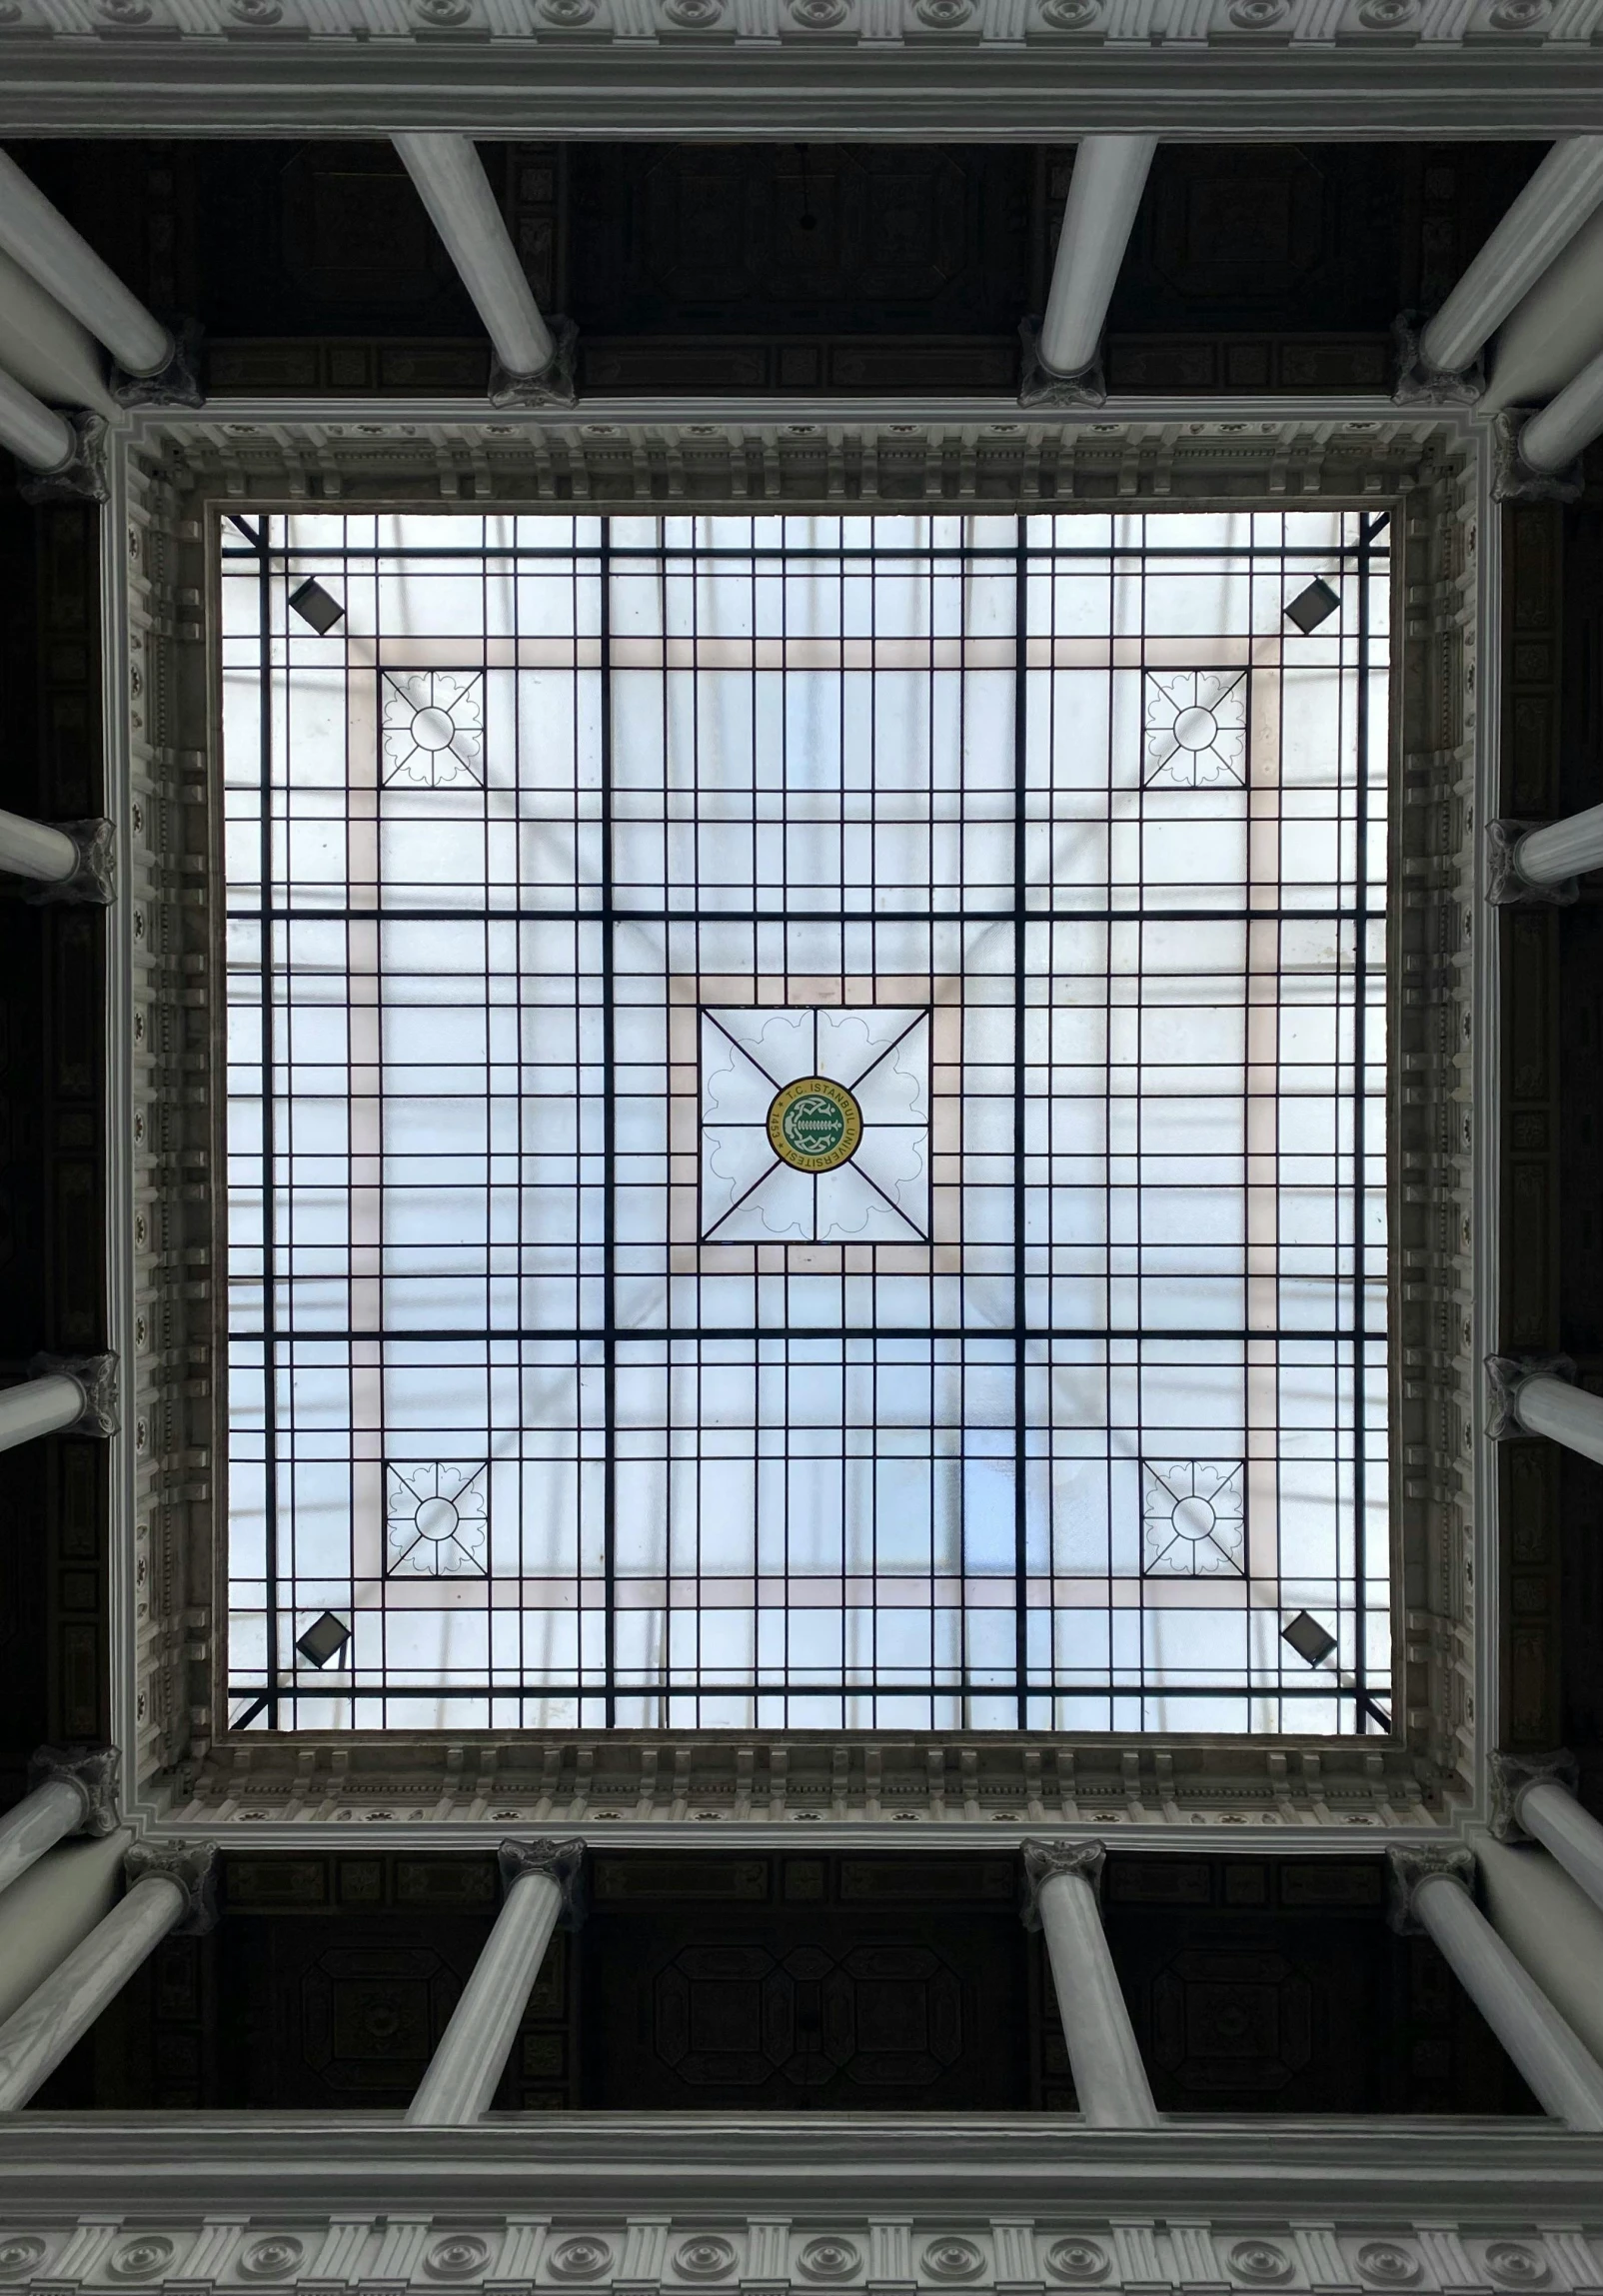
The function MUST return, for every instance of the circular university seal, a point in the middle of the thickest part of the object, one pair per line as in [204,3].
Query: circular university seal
[814,1125]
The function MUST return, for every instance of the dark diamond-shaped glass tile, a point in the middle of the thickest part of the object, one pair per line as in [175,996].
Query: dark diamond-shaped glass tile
[1308,1638]
[316,604]
[1312,606]
[324,1639]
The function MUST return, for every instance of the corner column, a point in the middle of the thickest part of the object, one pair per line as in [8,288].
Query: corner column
[170,1888]
[1431,1892]
[73,1791]
[1061,1886]
[541,1880]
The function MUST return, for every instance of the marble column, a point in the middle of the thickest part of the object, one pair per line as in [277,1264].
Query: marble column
[40,439]
[451,181]
[38,237]
[61,860]
[74,1790]
[1552,1925]
[64,1394]
[1554,437]
[1535,1395]
[169,1888]
[1524,860]
[1553,330]
[1061,1881]
[541,1883]
[1105,193]
[1545,216]
[53,1908]
[45,349]
[1431,1891]
[1535,1799]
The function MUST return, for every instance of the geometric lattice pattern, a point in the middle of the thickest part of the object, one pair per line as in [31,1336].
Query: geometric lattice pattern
[808,1119]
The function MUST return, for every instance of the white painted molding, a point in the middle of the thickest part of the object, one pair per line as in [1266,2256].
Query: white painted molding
[665,2203]
[1044,70]
[170,470]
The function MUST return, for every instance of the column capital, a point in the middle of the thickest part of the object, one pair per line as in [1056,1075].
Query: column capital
[553,386]
[1512,1773]
[194,1865]
[93,1770]
[1505,1375]
[174,385]
[97,1376]
[1505,886]
[560,1862]
[1418,383]
[94,880]
[1410,1869]
[1039,386]
[1045,1859]
[1513,478]
[82,478]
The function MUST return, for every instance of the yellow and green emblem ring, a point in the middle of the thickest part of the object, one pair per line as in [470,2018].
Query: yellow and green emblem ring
[814,1125]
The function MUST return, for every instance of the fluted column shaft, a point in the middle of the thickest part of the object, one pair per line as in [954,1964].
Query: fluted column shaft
[1545,216]
[1565,2080]
[453,185]
[1105,193]
[463,2070]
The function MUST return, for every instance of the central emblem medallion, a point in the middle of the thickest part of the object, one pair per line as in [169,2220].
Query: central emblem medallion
[814,1125]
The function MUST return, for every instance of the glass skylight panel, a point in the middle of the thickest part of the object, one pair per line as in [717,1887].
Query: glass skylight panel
[806,1121]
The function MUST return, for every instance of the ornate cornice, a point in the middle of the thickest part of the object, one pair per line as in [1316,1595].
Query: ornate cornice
[176,473]
[341,2202]
[1031,69]
[93,1771]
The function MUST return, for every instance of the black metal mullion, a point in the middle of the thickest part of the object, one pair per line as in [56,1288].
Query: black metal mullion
[608,1167]
[1020,1133]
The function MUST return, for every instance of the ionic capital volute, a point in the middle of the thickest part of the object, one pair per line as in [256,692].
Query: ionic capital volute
[1409,1870]
[1512,1773]
[92,1771]
[193,1865]
[560,1862]
[1043,1860]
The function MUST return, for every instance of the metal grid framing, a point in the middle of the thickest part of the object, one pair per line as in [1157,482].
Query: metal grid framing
[1047,1401]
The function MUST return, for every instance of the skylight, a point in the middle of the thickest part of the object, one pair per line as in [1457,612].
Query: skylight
[807,1121]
